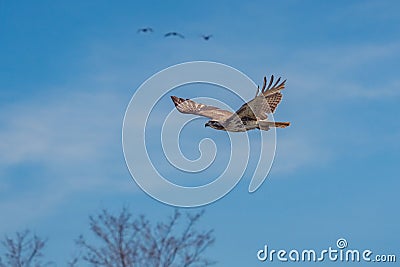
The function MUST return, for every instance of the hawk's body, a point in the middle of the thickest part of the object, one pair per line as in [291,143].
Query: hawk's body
[251,115]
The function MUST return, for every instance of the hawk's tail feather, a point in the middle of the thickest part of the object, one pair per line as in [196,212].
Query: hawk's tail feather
[265,125]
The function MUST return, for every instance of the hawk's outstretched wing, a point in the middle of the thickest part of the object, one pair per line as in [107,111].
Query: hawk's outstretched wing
[190,107]
[264,103]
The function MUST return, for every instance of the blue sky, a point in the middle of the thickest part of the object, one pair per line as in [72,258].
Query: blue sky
[68,70]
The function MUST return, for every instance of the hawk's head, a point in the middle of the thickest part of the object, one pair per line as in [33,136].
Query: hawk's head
[214,124]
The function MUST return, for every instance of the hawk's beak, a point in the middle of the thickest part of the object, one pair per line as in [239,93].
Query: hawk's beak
[207,124]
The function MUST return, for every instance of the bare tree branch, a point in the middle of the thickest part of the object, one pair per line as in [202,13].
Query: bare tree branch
[128,242]
[22,250]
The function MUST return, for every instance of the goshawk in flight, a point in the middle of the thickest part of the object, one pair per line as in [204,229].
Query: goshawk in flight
[251,115]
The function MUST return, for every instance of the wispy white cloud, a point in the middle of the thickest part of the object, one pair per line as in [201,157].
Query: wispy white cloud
[64,129]
[386,90]
[338,71]
[73,138]
[298,153]
[21,210]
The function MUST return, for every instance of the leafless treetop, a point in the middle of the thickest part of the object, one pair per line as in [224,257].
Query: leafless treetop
[127,242]
[23,250]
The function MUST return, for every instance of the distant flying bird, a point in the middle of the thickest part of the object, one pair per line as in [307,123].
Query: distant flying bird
[251,115]
[206,37]
[174,34]
[145,30]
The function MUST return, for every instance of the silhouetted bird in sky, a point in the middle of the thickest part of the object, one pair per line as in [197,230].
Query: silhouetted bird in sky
[145,30]
[174,34]
[206,37]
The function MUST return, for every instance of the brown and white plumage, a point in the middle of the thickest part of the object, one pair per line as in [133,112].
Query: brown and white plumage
[251,115]
[190,107]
